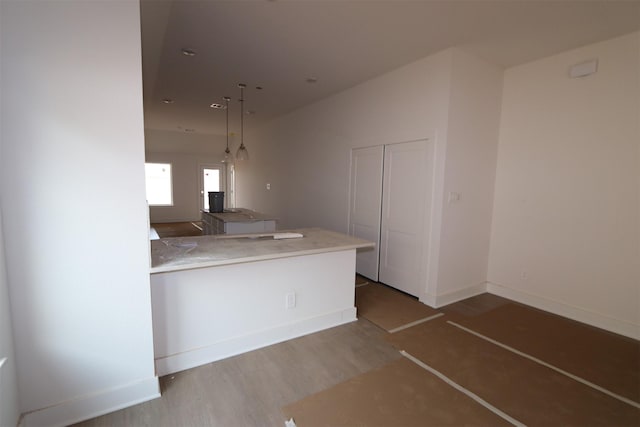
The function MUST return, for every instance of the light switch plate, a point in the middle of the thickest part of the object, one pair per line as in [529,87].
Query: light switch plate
[291,300]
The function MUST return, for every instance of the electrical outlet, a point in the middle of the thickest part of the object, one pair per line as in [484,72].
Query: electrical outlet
[268,186]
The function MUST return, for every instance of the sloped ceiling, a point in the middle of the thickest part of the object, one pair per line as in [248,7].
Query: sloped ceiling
[278,45]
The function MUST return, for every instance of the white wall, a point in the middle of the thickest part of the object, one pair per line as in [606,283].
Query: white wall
[164,141]
[566,217]
[472,145]
[73,201]
[194,150]
[305,154]
[451,98]
[9,407]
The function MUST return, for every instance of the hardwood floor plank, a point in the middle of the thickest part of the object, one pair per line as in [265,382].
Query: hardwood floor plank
[177,229]
[250,389]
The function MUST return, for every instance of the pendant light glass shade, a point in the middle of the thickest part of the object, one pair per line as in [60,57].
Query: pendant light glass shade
[228,157]
[242,154]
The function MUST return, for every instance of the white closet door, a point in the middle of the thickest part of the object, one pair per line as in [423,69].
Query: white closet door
[364,206]
[407,185]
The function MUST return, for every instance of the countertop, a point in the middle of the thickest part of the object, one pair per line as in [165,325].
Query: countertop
[240,215]
[185,253]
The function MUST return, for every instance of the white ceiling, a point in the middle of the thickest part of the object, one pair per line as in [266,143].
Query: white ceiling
[279,44]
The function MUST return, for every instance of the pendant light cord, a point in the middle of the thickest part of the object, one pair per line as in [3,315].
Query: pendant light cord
[227,99]
[242,86]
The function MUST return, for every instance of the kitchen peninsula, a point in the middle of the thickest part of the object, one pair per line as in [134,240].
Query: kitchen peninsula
[218,296]
[235,221]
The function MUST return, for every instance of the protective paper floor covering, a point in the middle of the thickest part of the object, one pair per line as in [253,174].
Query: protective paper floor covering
[527,391]
[389,308]
[606,359]
[398,394]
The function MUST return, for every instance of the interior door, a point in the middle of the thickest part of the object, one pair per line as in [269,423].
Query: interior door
[407,185]
[365,204]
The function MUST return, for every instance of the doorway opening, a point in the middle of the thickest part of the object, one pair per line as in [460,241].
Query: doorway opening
[212,178]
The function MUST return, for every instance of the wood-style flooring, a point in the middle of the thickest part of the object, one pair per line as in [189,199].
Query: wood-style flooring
[251,389]
[178,229]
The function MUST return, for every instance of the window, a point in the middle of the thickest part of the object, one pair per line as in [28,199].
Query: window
[159,186]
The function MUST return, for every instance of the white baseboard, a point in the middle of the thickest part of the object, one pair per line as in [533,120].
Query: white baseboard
[222,350]
[575,313]
[93,405]
[437,301]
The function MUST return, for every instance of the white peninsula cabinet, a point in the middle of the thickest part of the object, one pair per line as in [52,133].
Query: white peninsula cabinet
[214,297]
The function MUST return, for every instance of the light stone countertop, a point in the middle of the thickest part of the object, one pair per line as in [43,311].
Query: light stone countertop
[240,215]
[185,253]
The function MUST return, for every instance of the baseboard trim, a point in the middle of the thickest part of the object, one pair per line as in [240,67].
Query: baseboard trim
[437,301]
[238,345]
[93,405]
[575,313]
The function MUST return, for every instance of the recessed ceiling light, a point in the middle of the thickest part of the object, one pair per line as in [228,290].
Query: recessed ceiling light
[188,52]
[311,80]
[189,130]
[251,112]
[218,106]
[167,101]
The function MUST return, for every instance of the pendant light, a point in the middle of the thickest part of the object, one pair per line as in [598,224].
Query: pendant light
[228,157]
[242,154]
